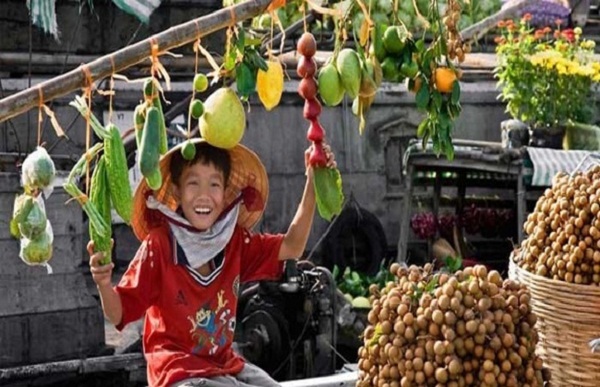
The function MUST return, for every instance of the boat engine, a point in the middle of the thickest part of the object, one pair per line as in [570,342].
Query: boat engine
[287,327]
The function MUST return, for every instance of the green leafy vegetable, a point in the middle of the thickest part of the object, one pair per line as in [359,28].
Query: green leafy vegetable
[328,190]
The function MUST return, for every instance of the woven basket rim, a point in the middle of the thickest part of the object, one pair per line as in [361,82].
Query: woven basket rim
[573,288]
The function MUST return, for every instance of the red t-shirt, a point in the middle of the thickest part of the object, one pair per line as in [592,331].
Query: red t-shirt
[189,318]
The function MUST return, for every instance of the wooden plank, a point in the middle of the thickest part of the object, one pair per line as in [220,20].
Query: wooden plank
[42,337]
[42,294]
[130,361]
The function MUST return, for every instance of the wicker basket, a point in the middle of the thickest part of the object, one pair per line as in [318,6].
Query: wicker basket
[568,318]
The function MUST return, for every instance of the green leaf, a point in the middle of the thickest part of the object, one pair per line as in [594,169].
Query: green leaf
[422,98]
[245,79]
[455,93]
[432,285]
[420,45]
[437,100]
[251,42]
[328,191]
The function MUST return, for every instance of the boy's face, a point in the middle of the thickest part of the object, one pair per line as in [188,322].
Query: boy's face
[201,193]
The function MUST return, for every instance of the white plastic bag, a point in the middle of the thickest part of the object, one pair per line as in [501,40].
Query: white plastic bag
[38,171]
[38,251]
[35,222]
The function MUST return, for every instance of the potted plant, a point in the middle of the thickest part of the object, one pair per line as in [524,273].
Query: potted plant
[546,77]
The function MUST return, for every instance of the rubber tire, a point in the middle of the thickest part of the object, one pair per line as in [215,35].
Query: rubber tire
[358,223]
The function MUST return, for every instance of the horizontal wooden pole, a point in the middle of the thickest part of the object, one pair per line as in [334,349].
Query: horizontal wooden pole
[104,66]
[81,366]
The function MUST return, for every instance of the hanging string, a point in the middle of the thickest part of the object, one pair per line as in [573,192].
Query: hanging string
[303,5]
[270,48]
[233,16]
[87,92]
[40,117]
[157,70]
[43,108]
[189,123]
[111,86]
[197,29]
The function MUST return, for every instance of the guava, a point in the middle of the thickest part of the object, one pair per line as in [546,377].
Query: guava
[223,123]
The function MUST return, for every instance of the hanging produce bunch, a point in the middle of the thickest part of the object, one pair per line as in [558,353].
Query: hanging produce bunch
[436,86]
[151,133]
[563,231]
[196,110]
[29,222]
[109,186]
[97,204]
[469,328]
[386,50]
[327,181]
[251,72]
[413,14]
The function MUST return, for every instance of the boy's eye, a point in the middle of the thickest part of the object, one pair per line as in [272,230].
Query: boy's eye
[192,182]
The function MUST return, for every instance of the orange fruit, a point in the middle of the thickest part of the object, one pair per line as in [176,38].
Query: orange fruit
[444,79]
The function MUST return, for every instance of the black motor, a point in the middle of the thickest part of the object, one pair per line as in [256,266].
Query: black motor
[288,327]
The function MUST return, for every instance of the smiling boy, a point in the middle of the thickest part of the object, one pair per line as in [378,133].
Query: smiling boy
[196,250]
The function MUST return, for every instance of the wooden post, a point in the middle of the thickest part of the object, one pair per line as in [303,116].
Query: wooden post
[106,65]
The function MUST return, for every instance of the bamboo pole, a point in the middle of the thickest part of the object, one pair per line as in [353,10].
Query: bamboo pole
[104,66]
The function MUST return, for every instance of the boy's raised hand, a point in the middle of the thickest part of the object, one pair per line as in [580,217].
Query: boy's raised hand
[331,163]
[100,273]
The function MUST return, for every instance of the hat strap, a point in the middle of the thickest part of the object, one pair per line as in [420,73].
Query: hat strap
[251,199]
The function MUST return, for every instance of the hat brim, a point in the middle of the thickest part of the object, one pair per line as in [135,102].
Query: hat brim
[246,171]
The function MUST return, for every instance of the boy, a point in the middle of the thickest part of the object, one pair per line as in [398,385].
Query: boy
[196,250]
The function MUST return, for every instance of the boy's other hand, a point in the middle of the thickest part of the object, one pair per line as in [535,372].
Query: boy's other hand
[331,163]
[100,273]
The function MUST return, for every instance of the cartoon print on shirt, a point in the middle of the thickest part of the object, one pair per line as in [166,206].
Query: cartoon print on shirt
[212,327]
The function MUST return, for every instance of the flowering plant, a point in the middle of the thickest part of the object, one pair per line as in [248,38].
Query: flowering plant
[545,76]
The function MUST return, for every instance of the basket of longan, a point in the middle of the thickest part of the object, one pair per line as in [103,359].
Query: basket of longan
[559,262]
[468,328]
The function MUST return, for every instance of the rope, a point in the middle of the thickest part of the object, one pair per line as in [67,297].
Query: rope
[233,16]
[111,86]
[40,117]
[158,70]
[197,28]
[89,82]
[189,123]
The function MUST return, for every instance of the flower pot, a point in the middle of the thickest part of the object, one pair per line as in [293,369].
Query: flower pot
[547,137]
[515,134]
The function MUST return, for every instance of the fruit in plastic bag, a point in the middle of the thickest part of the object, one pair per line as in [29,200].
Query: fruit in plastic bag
[37,170]
[38,251]
[35,222]
[22,207]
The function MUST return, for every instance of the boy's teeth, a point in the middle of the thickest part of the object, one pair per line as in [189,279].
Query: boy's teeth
[202,210]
